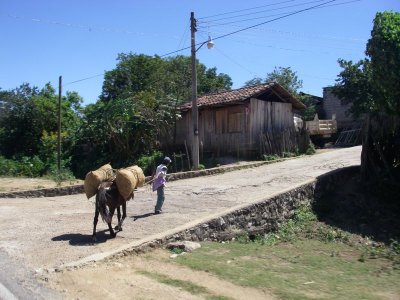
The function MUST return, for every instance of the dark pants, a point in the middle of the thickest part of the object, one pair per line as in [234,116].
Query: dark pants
[160,198]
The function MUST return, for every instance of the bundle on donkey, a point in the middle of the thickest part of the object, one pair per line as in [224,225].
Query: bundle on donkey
[113,192]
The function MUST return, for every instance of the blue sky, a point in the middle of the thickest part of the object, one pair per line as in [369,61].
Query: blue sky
[78,39]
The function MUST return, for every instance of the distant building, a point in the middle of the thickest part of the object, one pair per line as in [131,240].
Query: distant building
[333,108]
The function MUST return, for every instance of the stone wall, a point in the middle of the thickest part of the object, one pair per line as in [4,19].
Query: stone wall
[50,192]
[262,217]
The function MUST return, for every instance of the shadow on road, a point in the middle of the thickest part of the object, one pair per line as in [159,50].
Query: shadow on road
[77,239]
[142,216]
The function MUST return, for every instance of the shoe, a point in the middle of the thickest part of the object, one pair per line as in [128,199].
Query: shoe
[157,212]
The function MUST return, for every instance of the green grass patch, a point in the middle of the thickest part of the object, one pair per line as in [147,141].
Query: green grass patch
[304,259]
[188,286]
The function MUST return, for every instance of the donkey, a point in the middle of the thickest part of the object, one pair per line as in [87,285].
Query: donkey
[108,199]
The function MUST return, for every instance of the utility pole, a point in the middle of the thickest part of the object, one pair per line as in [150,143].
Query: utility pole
[59,125]
[195,113]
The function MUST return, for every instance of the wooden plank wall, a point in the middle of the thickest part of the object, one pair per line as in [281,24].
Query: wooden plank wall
[268,116]
[236,130]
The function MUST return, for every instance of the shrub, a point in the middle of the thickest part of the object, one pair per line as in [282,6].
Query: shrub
[149,162]
[24,166]
[310,149]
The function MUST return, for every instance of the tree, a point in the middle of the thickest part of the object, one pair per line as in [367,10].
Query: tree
[372,86]
[354,86]
[254,81]
[286,77]
[164,77]
[384,50]
[289,80]
[139,104]
[17,112]
[30,119]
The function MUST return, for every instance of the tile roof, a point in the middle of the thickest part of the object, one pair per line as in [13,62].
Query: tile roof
[242,94]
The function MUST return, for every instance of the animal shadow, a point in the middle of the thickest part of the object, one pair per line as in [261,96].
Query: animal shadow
[77,239]
[142,216]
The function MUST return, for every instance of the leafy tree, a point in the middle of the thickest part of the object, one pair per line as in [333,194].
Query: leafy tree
[289,80]
[354,86]
[134,73]
[164,77]
[286,77]
[384,50]
[120,131]
[30,116]
[254,81]
[373,84]
[139,103]
[17,112]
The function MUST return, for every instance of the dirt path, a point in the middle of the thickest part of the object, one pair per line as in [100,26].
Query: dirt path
[129,275]
[46,233]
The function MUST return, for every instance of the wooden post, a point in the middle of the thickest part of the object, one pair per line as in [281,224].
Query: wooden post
[195,114]
[59,125]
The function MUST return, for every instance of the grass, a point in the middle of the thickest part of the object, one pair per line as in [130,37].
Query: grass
[305,259]
[188,286]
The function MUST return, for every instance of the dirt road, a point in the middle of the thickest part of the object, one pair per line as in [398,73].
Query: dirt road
[48,233]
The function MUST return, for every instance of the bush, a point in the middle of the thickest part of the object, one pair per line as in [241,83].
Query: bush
[270,157]
[24,166]
[148,163]
[310,149]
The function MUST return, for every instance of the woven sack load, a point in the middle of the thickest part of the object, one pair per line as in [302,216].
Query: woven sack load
[140,175]
[128,179]
[94,178]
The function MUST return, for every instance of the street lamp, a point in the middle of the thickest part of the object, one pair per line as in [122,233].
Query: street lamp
[195,113]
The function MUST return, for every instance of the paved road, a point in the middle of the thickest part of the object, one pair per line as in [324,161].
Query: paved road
[46,233]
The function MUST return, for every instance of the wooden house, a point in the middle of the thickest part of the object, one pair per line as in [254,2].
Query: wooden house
[234,122]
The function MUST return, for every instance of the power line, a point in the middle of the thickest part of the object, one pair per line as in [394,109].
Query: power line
[83,79]
[267,16]
[299,35]
[262,11]
[234,61]
[275,19]
[74,25]
[253,26]
[246,9]
[231,33]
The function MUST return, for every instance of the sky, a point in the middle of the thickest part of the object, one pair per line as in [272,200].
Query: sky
[81,39]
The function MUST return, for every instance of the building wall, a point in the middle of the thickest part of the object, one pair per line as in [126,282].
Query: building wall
[333,106]
[235,130]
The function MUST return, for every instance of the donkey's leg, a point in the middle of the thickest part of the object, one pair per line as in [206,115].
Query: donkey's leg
[123,213]
[121,220]
[119,226]
[95,220]
[112,233]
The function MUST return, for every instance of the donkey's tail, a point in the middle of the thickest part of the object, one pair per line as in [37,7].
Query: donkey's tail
[101,205]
